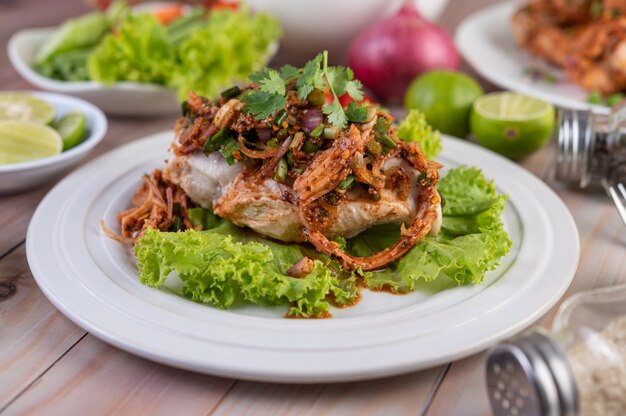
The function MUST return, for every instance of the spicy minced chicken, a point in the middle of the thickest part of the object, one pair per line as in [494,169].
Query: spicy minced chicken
[283,157]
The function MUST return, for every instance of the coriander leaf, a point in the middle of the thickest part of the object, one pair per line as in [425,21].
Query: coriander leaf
[288,72]
[335,114]
[354,89]
[262,103]
[259,76]
[312,77]
[273,83]
[356,113]
[338,78]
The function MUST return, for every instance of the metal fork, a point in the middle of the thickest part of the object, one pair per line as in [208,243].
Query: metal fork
[618,195]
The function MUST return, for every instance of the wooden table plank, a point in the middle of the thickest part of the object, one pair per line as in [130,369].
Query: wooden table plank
[407,394]
[33,333]
[97,379]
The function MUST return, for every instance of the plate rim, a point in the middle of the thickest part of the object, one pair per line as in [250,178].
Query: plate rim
[285,375]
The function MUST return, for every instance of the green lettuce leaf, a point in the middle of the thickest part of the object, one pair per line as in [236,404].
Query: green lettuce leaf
[228,266]
[414,128]
[139,52]
[229,47]
[472,240]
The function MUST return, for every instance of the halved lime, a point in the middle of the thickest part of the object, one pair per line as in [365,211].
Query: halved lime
[25,107]
[72,128]
[511,124]
[22,141]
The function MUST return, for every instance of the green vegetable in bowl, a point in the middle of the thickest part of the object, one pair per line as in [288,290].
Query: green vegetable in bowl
[198,51]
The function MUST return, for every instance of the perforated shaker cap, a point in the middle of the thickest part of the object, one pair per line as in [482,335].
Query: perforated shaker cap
[576,135]
[530,376]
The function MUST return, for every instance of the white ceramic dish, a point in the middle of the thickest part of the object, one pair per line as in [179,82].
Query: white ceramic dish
[122,98]
[309,27]
[93,281]
[22,176]
[486,42]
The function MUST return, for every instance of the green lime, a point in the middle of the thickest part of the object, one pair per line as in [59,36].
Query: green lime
[445,98]
[25,107]
[21,141]
[513,125]
[72,128]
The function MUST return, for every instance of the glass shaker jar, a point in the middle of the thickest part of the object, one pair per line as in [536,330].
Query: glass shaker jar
[592,151]
[577,369]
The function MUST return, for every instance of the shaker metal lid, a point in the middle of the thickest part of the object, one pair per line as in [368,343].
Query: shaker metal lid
[530,376]
[575,139]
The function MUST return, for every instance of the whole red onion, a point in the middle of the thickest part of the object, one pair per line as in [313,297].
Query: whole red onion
[389,55]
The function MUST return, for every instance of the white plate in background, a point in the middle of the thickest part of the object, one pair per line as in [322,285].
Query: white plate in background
[486,42]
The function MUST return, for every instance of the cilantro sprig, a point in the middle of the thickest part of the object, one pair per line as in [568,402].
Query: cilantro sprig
[316,74]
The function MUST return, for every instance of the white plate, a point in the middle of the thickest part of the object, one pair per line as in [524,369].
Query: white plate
[93,281]
[487,44]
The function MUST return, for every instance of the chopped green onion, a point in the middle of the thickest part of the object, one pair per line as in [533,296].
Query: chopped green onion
[227,151]
[310,147]
[376,197]
[280,117]
[184,107]
[297,139]
[317,131]
[385,141]
[281,170]
[345,184]
[272,143]
[289,159]
[373,147]
[231,92]
[282,134]
[176,224]
[330,132]
[382,125]
[317,97]
[217,139]
[176,208]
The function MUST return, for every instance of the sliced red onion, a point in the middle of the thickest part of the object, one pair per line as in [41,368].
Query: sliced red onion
[312,118]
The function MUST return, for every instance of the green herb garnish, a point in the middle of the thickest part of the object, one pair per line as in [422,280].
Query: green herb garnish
[315,75]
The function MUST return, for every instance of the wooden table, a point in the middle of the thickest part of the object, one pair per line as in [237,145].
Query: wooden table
[48,365]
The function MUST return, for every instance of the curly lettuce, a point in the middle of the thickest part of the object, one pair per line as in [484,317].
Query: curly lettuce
[471,242]
[224,51]
[226,266]
[194,53]
[415,128]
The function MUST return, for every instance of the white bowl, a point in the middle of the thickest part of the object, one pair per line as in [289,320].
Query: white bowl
[121,98]
[21,176]
[310,27]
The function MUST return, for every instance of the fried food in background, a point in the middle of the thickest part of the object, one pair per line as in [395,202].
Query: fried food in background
[586,38]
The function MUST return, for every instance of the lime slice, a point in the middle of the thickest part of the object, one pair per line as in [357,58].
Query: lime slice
[513,125]
[25,107]
[72,128]
[22,141]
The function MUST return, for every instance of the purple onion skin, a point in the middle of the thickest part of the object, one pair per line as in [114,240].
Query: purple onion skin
[389,55]
[311,119]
